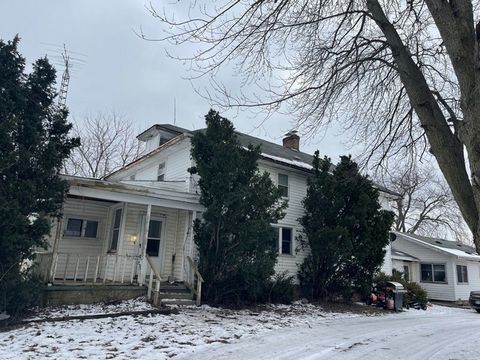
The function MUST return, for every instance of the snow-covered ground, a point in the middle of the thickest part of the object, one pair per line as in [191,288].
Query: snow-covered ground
[279,332]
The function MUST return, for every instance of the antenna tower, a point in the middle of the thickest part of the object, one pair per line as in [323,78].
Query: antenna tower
[62,98]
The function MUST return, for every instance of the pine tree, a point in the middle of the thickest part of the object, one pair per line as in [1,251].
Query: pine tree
[345,230]
[234,237]
[34,143]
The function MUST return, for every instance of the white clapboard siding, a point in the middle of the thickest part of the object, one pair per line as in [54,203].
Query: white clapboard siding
[462,290]
[173,231]
[436,291]
[176,158]
[76,246]
[387,265]
[297,184]
[84,209]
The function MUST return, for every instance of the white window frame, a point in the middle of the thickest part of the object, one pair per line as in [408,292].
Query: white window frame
[280,240]
[433,281]
[461,273]
[284,186]
[114,210]
[161,171]
[82,230]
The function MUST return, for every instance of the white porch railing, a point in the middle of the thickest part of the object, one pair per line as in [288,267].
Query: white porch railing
[93,269]
[195,281]
[153,276]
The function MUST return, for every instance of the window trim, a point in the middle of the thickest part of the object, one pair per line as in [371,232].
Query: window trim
[121,227]
[161,171]
[433,273]
[82,229]
[280,239]
[284,186]
[466,272]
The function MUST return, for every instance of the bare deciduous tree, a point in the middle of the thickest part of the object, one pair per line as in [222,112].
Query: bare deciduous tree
[398,73]
[426,205]
[108,143]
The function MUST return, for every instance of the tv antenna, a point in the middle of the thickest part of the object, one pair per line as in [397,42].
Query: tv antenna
[70,61]
[62,96]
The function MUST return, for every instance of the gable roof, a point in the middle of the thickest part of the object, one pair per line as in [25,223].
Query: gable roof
[270,151]
[448,247]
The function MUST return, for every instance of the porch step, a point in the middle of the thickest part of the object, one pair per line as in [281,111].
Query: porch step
[181,302]
[170,295]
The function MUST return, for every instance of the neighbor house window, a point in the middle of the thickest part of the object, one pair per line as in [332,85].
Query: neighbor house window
[406,272]
[283,184]
[282,240]
[161,172]
[433,273]
[81,228]
[115,233]
[462,274]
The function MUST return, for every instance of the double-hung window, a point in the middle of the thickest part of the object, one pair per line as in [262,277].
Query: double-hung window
[462,274]
[433,273]
[283,184]
[282,240]
[81,228]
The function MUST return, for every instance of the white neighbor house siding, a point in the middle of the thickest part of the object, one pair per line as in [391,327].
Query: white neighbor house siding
[436,291]
[462,290]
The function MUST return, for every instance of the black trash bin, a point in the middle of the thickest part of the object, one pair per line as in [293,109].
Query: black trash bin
[399,292]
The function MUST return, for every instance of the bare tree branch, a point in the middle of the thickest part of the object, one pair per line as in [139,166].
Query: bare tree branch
[107,143]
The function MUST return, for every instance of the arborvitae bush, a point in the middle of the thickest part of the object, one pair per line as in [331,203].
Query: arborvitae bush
[34,143]
[233,237]
[345,231]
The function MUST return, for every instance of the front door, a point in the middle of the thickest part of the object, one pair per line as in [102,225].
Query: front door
[155,243]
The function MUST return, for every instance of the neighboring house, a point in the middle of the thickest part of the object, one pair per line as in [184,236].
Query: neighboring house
[103,235]
[447,270]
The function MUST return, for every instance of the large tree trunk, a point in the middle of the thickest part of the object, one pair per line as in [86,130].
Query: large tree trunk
[446,146]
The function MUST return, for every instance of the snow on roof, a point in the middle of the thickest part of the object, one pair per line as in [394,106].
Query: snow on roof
[446,246]
[288,161]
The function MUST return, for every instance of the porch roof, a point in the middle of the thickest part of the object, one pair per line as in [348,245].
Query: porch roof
[132,193]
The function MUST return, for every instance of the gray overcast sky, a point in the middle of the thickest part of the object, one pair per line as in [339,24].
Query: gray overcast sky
[124,73]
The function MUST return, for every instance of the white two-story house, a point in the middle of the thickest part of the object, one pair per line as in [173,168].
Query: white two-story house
[138,220]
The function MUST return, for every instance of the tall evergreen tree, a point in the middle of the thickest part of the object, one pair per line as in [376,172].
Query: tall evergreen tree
[345,230]
[34,142]
[234,236]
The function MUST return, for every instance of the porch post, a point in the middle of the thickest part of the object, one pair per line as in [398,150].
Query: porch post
[143,266]
[56,240]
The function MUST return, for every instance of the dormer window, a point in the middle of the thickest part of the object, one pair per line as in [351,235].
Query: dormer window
[161,172]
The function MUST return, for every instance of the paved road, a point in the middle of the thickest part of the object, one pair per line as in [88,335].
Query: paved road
[439,333]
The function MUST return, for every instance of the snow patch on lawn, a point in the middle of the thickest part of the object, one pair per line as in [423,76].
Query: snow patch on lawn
[138,304]
[150,337]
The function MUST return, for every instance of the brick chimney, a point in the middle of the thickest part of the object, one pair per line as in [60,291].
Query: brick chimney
[292,140]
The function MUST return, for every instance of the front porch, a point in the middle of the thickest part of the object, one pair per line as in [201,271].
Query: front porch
[121,235]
